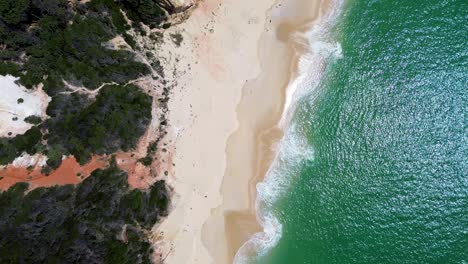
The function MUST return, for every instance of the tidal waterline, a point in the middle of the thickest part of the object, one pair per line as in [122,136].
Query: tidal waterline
[387,181]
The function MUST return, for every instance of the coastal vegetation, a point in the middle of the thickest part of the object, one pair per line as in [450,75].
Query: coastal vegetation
[63,45]
[67,47]
[29,142]
[57,42]
[98,221]
[114,121]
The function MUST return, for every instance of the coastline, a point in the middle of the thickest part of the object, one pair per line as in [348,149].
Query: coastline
[251,148]
[217,56]
[225,108]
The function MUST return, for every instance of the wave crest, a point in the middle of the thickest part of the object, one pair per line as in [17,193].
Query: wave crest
[293,148]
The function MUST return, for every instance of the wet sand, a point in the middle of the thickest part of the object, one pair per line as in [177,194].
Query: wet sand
[251,148]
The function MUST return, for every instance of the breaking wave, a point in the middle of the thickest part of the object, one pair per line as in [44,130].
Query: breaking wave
[293,148]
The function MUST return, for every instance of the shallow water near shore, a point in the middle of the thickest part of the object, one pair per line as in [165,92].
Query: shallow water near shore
[373,165]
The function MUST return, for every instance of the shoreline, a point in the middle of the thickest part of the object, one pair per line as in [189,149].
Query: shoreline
[306,40]
[250,150]
[228,98]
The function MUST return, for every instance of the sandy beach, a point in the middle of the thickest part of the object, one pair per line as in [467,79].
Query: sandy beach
[239,57]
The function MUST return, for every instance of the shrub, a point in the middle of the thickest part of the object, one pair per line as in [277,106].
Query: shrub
[79,224]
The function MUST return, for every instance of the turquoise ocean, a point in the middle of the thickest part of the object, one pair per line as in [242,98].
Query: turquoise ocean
[373,165]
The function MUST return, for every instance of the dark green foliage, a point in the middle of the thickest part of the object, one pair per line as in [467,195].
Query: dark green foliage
[91,64]
[63,106]
[76,54]
[9,68]
[49,42]
[157,198]
[52,41]
[54,156]
[112,7]
[33,120]
[63,44]
[28,141]
[14,11]
[80,224]
[11,148]
[56,8]
[114,121]
[146,160]
[130,41]
[148,12]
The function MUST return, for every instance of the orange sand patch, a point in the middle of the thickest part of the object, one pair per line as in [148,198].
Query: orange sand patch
[139,176]
[142,177]
[69,172]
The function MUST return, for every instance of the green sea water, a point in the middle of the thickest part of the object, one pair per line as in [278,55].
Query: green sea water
[387,180]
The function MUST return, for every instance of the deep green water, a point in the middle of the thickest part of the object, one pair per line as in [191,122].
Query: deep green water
[388,181]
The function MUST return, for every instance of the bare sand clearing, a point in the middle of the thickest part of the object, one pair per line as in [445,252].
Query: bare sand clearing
[241,56]
[28,168]
[17,103]
[70,172]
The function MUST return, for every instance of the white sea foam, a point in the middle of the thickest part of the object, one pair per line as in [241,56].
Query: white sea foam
[293,148]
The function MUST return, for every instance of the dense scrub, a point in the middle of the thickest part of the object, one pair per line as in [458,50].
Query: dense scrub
[63,44]
[29,142]
[52,41]
[114,120]
[98,221]
[148,12]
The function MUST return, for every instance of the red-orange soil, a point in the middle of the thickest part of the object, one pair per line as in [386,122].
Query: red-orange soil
[70,172]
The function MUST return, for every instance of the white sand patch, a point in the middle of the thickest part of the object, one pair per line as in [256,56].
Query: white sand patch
[13,112]
[117,43]
[27,160]
[179,3]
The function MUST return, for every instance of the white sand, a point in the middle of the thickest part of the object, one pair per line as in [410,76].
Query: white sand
[26,160]
[35,103]
[219,53]
[178,3]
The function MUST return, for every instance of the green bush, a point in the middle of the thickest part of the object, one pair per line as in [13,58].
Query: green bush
[14,11]
[11,148]
[148,12]
[35,120]
[115,121]
[79,224]
[61,41]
